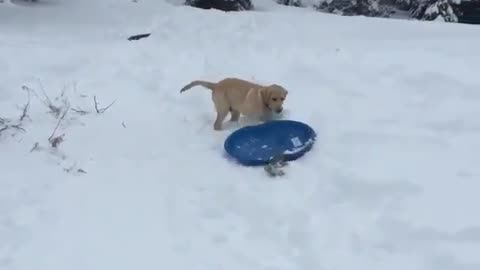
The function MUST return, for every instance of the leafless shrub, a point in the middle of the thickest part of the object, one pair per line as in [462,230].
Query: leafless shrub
[6,124]
[98,110]
[59,107]
[55,108]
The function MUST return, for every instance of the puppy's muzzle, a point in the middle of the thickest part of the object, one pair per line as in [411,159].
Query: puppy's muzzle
[279,110]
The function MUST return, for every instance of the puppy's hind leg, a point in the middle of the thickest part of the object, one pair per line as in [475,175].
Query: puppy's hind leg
[221,114]
[235,115]
[222,107]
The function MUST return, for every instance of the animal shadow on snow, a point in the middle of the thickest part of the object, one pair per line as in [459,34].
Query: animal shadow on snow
[245,121]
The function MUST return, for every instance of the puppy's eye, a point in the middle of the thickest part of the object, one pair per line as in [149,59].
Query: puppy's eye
[274,99]
[282,99]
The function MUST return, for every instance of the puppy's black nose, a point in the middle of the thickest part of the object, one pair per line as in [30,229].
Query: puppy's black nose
[279,110]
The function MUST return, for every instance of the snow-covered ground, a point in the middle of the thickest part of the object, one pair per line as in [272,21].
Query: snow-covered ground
[392,182]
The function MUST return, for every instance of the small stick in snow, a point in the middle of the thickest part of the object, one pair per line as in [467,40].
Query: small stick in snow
[137,37]
[35,147]
[71,168]
[103,109]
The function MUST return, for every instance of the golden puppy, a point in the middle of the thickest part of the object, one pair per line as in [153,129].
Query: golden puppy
[238,96]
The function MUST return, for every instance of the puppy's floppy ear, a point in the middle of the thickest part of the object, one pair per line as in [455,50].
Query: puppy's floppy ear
[264,93]
[284,90]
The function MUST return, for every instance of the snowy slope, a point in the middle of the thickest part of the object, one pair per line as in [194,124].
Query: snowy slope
[392,182]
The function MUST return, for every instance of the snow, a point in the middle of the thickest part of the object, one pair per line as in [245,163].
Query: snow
[391,183]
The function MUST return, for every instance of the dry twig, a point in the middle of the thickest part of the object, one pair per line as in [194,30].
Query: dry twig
[27,106]
[54,109]
[80,111]
[18,126]
[55,141]
[102,110]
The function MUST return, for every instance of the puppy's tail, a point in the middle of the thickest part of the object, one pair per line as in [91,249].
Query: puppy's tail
[209,85]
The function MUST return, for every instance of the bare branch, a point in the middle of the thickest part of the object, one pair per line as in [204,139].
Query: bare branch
[56,110]
[49,102]
[3,129]
[96,103]
[102,110]
[46,102]
[17,126]
[80,111]
[30,90]
[25,108]
[24,111]
[55,141]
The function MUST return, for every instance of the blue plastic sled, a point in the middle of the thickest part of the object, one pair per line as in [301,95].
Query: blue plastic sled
[259,144]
